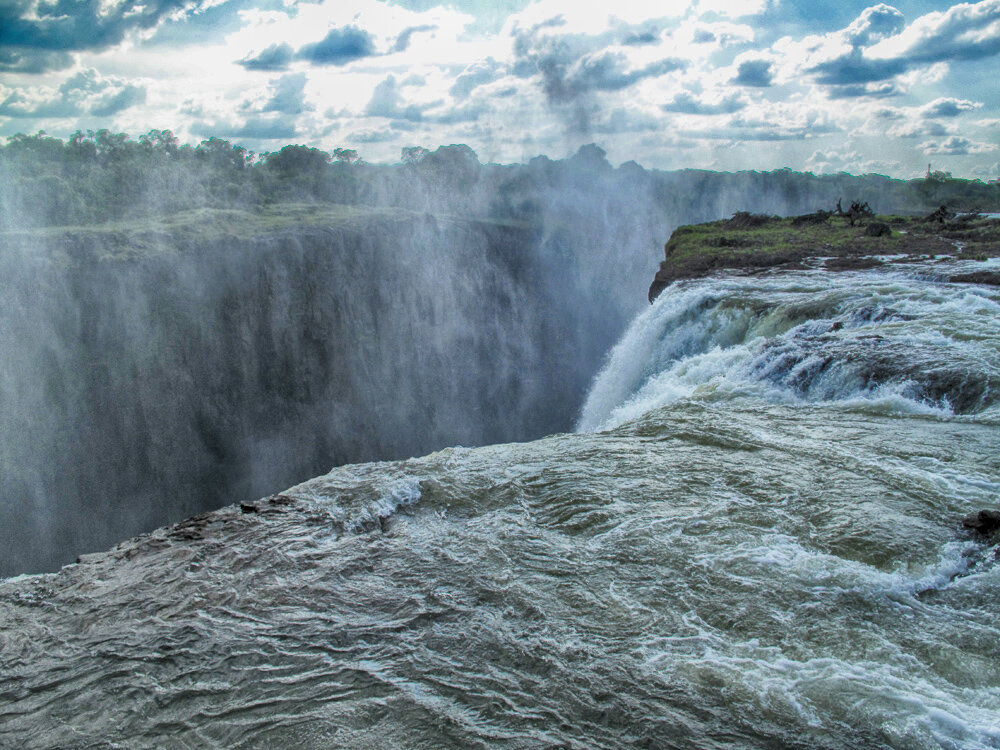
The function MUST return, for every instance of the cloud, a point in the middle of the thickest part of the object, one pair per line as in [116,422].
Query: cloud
[626,120]
[687,104]
[207,22]
[288,95]
[37,37]
[641,38]
[385,135]
[255,128]
[956,146]
[780,123]
[467,113]
[339,47]
[877,47]
[873,25]
[987,172]
[386,101]
[569,70]
[755,73]
[84,93]
[128,96]
[854,69]
[573,68]
[474,76]
[856,90]
[949,107]
[19,106]
[923,129]
[33,61]
[831,160]
[887,113]
[403,40]
[273,58]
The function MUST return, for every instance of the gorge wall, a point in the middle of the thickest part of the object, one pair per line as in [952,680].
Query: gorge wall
[157,364]
[140,389]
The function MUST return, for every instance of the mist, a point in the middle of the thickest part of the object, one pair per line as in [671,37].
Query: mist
[187,328]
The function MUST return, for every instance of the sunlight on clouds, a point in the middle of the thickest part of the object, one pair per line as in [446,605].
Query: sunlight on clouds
[574,17]
[678,82]
[731,8]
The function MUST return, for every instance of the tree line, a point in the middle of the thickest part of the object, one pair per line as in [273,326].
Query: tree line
[96,177]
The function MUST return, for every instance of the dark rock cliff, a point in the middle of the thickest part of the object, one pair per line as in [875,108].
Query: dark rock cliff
[213,371]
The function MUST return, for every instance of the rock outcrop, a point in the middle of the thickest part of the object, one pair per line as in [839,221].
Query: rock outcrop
[837,241]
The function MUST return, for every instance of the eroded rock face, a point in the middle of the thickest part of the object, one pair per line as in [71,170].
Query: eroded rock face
[153,384]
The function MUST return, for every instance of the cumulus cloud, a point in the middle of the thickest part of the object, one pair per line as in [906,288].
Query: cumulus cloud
[402,42]
[387,101]
[922,129]
[339,47]
[84,93]
[755,73]
[38,36]
[274,128]
[829,161]
[273,58]
[126,97]
[385,135]
[207,22]
[774,123]
[641,38]
[627,120]
[476,75]
[949,107]
[987,172]
[573,68]
[33,60]
[888,113]
[288,95]
[956,146]
[686,103]
[856,90]
[877,46]
[873,25]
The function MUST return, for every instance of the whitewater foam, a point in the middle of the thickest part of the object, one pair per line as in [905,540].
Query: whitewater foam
[880,341]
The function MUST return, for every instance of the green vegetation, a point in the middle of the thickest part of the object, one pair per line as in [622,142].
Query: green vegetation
[103,177]
[749,241]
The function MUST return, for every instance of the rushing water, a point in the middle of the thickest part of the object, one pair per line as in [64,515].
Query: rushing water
[761,550]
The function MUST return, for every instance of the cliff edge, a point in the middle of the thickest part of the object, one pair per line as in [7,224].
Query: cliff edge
[834,241]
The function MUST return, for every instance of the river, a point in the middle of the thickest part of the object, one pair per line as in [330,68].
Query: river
[753,540]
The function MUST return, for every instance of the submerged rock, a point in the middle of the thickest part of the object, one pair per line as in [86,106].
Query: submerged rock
[990,278]
[985,522]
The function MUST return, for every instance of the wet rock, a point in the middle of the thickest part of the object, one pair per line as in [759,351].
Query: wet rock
[852,263]
[940,216]
[820,217]
[985,522]
[990,278]
[747,220]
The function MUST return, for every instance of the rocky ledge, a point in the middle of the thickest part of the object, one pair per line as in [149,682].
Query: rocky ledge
[834,240]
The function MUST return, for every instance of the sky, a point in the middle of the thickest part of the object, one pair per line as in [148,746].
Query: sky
[670,84]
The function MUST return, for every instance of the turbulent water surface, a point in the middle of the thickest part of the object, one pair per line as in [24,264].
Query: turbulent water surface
[760,549]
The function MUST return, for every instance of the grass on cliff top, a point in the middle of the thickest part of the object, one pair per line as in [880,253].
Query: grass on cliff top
[168,233]
[728,242]
[216,222]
